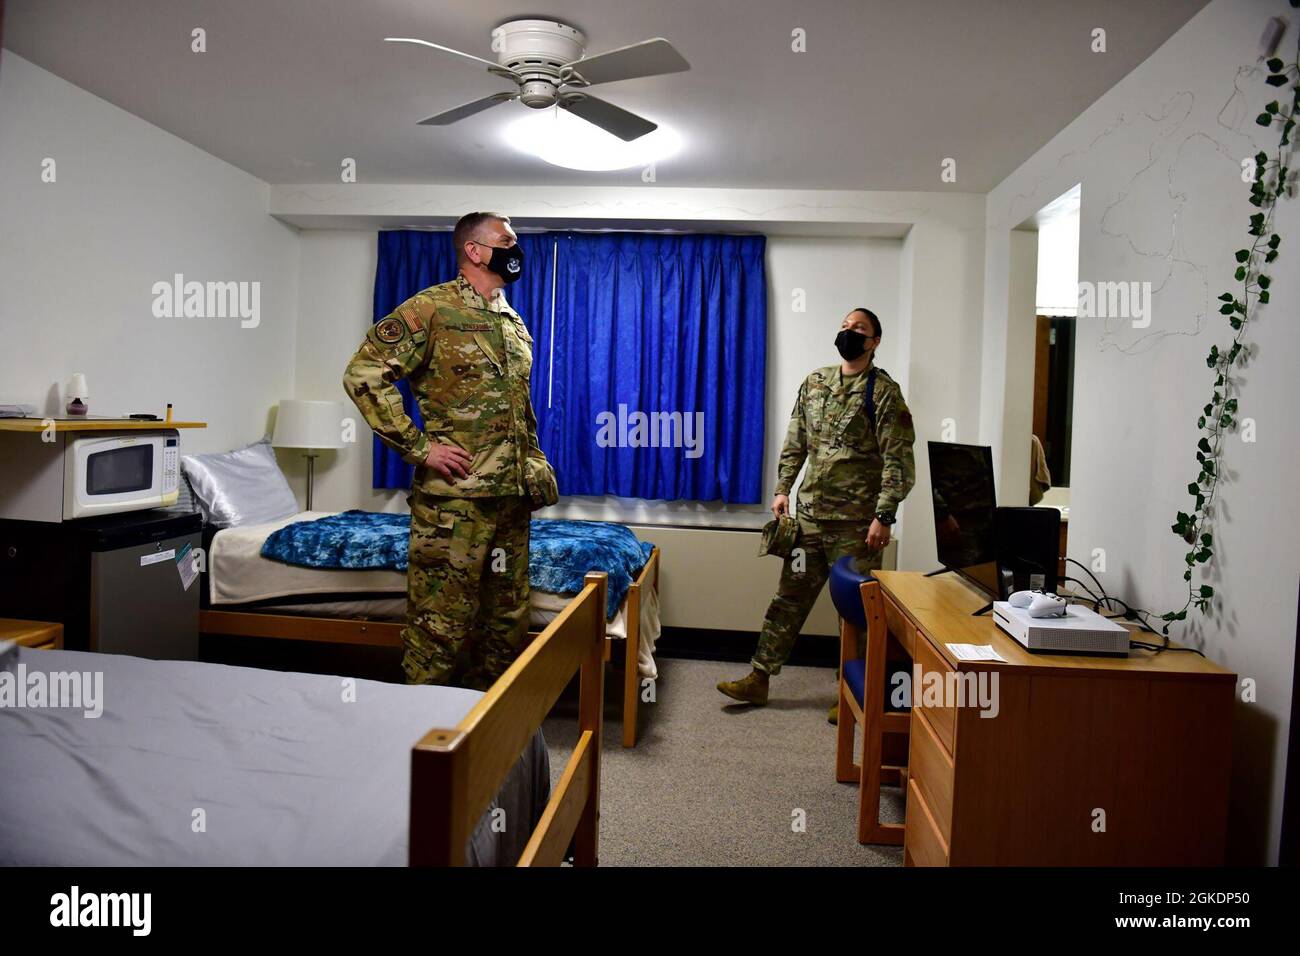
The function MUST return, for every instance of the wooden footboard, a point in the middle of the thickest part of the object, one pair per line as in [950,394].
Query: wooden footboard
[647,580]
[456,772]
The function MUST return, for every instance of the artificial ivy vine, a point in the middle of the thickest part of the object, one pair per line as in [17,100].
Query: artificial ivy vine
[1270,183]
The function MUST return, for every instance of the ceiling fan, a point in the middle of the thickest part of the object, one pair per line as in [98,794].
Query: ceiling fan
[544,59]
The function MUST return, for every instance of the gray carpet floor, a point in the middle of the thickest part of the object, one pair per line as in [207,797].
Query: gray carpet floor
[715,783]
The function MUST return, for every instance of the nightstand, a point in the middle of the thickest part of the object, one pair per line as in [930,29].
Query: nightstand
[41,635]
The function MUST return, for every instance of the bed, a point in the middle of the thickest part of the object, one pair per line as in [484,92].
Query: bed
[203,764]
[248,595]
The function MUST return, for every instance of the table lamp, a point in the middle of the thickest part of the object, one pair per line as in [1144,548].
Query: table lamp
[312,426]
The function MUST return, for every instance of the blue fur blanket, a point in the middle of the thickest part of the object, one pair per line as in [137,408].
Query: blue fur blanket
[560,552]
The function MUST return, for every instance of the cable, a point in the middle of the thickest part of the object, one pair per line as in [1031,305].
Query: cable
[1143,645]
[1139,615]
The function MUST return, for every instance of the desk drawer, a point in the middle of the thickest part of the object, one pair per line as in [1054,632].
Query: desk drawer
[943,718]
[922,844]
[931,770]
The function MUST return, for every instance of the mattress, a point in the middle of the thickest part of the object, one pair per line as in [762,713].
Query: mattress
[238,576]
[194,764]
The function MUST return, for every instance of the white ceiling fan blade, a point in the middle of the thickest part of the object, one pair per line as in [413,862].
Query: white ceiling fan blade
[647,58]
[496,68]
[613,119]
[468,109]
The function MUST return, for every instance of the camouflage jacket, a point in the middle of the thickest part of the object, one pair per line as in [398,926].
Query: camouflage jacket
[467,361]
[854,470]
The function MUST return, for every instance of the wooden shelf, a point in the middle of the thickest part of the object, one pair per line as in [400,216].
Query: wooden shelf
[91,425]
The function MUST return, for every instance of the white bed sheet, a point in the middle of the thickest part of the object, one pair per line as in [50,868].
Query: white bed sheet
[287,769]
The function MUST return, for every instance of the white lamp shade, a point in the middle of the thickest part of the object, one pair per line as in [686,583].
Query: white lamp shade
[77,387]
[303,424]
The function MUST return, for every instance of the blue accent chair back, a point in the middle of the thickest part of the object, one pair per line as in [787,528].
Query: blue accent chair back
[846,594]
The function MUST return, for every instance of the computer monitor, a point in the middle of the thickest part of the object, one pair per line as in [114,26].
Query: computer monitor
[965,507]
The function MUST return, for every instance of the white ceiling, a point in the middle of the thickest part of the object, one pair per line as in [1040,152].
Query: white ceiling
[886,90]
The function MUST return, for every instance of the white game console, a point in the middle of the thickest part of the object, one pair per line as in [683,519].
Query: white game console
[1079,631]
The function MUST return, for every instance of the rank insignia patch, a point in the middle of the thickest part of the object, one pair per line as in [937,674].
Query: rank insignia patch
[390,330]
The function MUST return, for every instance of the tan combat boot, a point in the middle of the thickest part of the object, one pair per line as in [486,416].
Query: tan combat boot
[751,689]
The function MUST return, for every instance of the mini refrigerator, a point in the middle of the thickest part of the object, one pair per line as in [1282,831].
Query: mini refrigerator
[116,582]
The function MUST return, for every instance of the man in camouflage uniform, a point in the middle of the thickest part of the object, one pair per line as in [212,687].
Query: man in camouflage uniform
[851,425]
[479,470]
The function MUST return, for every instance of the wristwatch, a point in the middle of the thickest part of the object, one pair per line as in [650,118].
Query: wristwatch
[886,518]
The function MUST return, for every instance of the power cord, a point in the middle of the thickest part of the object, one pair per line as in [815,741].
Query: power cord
[1138,615]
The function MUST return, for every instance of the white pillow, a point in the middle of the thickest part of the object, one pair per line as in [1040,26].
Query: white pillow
[240,487]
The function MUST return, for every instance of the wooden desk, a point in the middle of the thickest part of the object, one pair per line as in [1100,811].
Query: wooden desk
[42,635]
[1088,761]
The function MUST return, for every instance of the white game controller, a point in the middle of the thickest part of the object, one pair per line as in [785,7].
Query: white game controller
[1039,603]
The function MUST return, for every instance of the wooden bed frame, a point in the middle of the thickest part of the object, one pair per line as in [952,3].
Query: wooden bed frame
[456,772]
[360,631]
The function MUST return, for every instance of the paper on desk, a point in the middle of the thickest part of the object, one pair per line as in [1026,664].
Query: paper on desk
[975,652]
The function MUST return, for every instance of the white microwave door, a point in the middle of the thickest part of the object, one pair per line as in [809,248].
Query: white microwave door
[119,474]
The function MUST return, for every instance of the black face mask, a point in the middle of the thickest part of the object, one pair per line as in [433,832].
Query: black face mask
[851,344]
[508,263]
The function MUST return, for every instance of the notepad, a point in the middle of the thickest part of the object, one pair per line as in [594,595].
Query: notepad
[975,652]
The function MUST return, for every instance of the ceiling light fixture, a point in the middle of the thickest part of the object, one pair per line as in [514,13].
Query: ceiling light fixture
[562,139]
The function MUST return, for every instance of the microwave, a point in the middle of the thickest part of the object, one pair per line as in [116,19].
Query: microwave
[123,471]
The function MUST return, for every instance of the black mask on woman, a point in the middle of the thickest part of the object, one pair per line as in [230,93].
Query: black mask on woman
[508,263]
[851,344]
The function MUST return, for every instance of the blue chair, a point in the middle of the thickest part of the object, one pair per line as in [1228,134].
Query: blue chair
[862,614]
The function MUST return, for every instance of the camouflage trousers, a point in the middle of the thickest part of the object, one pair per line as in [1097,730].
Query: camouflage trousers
[821,544]
[466,589]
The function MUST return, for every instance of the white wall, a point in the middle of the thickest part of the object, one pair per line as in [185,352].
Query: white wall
[1162,201]
[131,206]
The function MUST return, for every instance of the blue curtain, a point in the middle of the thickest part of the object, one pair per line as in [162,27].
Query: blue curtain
[411,260]
[652,323]
[658,323]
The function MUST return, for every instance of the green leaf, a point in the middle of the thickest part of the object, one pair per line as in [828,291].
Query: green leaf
[1264,281]
[1227,309]
[1226,297]
[1243,255]
[1270,255]
[1239,274]
[1276,79]
[1204,445]
[1193,488]
[1263,119]
[1200,423]
[1263,297]
[1275,65]
[1272,108]
[1235,322]
[1207,539]
[1275,241]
